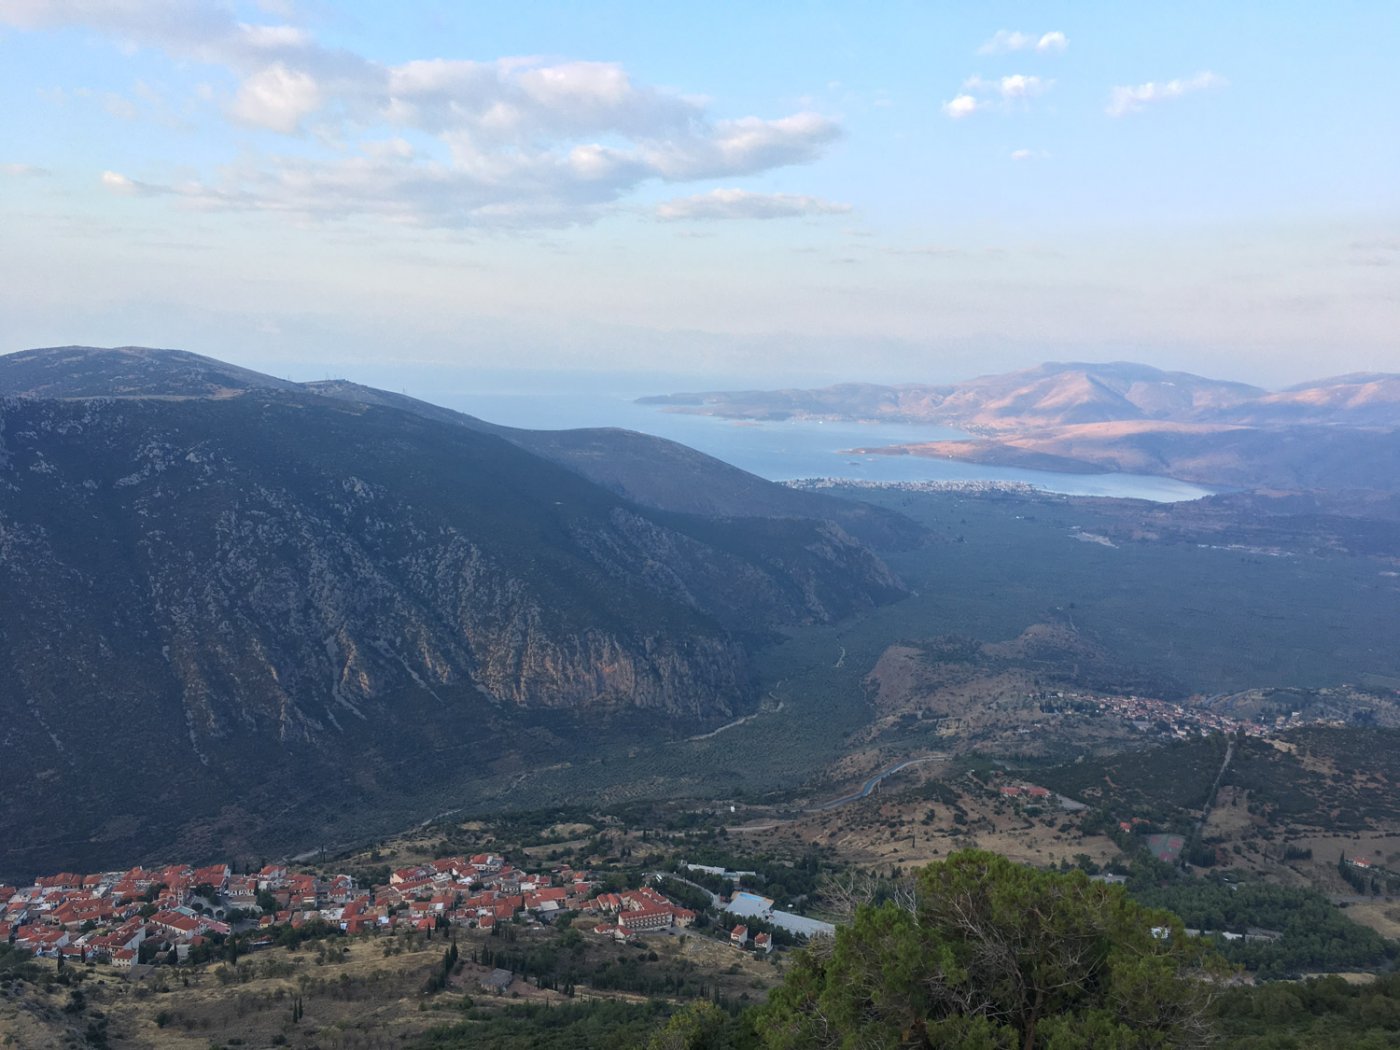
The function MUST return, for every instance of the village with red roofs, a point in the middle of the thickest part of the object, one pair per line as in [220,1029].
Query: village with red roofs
[161,915]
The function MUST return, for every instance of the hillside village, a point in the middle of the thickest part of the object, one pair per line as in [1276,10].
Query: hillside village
[1170,720]
[163,915]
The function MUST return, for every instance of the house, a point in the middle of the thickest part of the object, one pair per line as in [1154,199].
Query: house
[739,936]
[549,893]
[497,981]
[342,888]
[651,917]
[682,916]
[65,880]
[177,924]
[763,942]
[42,940]
[216,875]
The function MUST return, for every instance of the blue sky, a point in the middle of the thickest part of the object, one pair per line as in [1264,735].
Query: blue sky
[785,192]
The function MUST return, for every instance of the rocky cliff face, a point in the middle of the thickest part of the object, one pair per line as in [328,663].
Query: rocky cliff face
[215,601]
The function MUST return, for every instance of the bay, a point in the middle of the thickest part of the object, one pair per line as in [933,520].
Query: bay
[782,451]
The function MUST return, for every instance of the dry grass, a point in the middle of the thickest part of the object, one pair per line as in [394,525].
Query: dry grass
[366,1000]
[358,998]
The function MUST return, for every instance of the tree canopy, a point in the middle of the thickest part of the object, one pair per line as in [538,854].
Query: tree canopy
[992,955]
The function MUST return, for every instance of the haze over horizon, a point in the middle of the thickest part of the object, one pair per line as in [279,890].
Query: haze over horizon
[704,196]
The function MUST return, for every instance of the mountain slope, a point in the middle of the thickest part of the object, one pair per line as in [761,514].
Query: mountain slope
[126,371]
[1048,395]
[225,619]
[1328,435]
[1291,459]
[650,471]
[1367,399]
[663,474]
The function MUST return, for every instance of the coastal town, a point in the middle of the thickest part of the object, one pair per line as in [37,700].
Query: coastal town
[167,915]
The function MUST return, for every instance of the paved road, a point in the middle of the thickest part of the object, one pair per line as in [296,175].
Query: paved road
[714,897]
[871,784]
[1210,801]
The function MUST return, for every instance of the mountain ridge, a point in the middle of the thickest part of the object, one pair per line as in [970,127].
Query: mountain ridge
[1334,433]
[1005,399]
[217,604]
[651,471]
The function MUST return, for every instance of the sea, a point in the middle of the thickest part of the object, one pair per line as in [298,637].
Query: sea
[792,449]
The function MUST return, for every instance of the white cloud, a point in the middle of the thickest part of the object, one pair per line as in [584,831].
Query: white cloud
[1124,99]
[117,182]
[1020,86]
[273,37]
[961,106]
[979,94]
[128,187]
[1004,41]
[24,171]
[741,147]
[277,98]
[742,204]
[1029,154]
[518,140]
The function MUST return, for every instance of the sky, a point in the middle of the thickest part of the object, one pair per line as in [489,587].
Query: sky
[704,194]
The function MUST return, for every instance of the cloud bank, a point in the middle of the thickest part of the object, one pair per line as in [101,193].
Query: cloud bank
[515,141]
[742,204]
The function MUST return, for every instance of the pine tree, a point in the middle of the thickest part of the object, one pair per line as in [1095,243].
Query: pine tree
[994,954]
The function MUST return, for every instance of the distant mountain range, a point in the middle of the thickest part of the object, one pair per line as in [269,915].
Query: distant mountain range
[236,606]
[1338,433]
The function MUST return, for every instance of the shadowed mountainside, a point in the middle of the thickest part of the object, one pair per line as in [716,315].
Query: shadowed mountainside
[227,618]
[663,474]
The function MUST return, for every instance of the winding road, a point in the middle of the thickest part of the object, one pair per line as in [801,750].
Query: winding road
[874,782]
